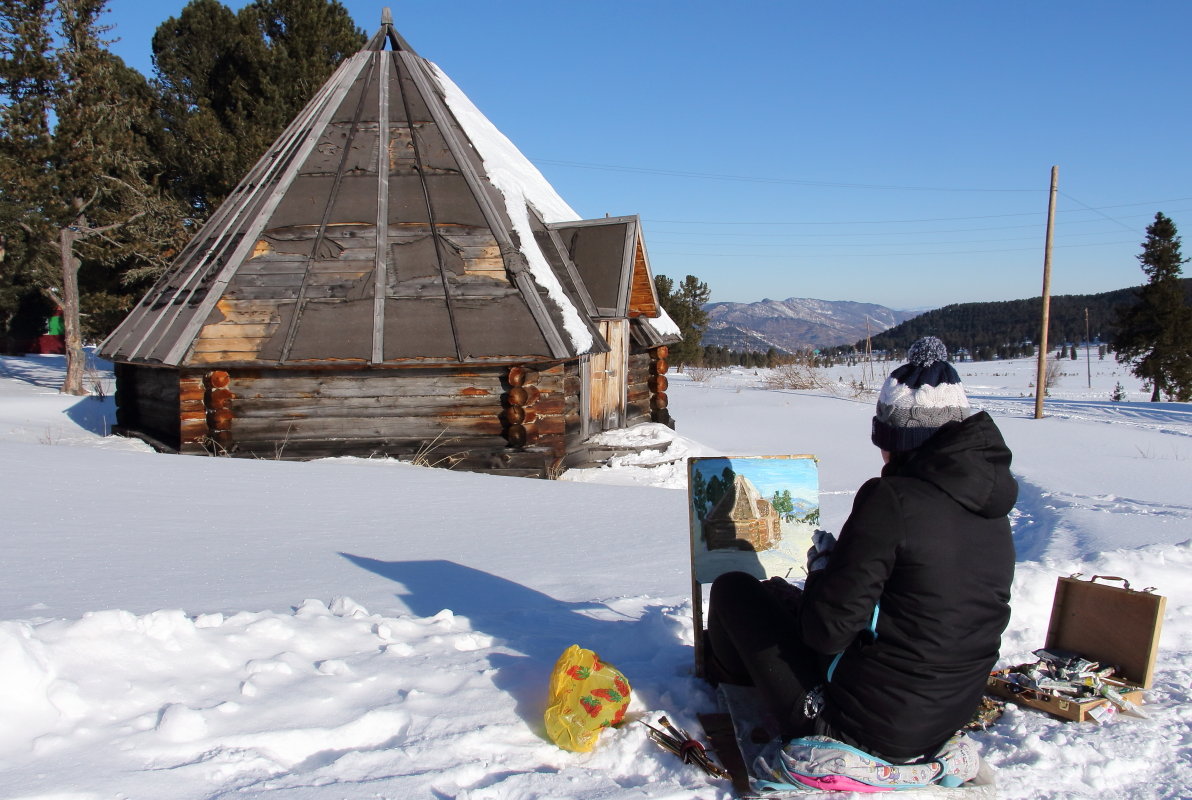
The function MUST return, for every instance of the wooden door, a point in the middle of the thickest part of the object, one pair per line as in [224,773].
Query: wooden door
[608,376]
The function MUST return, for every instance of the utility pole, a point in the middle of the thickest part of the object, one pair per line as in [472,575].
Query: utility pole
[1041,377]
[870,378]
[1088,346]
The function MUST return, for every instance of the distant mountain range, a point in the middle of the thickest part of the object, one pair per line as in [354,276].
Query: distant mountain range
[796,324]
[800,324]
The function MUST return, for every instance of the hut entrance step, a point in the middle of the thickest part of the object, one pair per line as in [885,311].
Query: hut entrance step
[590,455]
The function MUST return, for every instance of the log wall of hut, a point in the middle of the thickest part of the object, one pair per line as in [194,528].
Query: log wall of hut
[657,384]
[442,416]
[542,410]
[638,394]
[520,420]
[148,401]
[457,418]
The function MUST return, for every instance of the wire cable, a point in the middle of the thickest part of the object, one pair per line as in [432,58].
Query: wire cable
[672,173]
[903,221]
[1095,210]
[881,255]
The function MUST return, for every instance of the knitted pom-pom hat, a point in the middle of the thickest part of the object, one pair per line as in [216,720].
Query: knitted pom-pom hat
[918,398]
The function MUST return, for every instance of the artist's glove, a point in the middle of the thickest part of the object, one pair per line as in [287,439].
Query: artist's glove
[822,544]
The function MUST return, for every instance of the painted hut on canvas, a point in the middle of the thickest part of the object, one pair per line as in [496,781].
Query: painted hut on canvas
[742,520]
[394,278]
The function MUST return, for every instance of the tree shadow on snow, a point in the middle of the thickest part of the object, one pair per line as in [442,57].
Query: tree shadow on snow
[43,371]
[536,626]
[94,414]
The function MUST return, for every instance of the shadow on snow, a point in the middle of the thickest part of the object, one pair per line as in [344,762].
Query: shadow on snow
[538,627]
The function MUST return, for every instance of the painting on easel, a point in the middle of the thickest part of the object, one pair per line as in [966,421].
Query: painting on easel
[752,514]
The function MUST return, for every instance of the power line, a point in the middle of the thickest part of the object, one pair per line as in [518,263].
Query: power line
[758,179]
[880,255]
[1005,240]
[657,235]
[1096,210]
[904,221]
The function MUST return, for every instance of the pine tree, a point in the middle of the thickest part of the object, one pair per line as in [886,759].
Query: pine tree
[84,188]
[213,89]
[230,82]
[699,488]
[307,40]
[28,81]
[685,305]
[1155,333]
[783,504]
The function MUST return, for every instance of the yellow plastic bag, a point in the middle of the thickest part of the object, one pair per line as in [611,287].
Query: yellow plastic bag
[586,696]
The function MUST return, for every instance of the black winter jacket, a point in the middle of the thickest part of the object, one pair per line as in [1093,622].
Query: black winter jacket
[931,542]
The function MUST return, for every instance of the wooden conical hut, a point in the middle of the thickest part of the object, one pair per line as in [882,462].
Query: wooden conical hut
[394,278]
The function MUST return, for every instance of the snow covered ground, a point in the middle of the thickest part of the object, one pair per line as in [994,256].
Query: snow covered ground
[183,627]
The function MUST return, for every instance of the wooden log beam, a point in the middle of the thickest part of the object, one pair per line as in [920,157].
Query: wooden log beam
[256,428]
[367,406]
[404,384]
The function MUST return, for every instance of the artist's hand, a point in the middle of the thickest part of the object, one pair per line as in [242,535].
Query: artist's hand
[822,544]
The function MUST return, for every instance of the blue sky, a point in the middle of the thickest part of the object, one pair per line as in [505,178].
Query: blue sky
[799,474]
[896,153]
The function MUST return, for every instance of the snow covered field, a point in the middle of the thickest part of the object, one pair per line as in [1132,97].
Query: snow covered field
[185,628]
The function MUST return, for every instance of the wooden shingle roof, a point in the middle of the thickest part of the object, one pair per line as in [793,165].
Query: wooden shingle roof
[376,231]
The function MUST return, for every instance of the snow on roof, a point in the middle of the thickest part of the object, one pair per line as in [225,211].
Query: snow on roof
[664,324]
[519,182]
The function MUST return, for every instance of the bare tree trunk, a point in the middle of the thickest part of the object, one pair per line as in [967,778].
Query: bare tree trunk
[75,360]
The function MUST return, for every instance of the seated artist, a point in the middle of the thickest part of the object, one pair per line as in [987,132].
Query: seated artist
[890,643]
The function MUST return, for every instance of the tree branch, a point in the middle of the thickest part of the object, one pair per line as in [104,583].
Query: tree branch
[82,207]
[100,231]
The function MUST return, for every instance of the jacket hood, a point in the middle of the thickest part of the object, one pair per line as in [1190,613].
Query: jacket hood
[969,461]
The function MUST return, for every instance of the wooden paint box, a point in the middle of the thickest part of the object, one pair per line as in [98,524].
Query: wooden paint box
[1115,626]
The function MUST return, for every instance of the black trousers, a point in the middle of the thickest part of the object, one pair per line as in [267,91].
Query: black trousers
[754,640]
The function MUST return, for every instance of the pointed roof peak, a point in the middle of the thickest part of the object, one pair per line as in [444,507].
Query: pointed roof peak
[388,33]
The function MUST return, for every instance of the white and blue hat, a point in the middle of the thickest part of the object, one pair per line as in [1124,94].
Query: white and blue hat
[918,398]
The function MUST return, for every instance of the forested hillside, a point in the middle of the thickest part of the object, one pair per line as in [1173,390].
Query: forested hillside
[1001,328]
